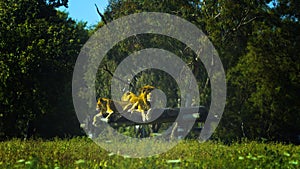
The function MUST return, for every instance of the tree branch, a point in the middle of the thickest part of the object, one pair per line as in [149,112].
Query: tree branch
[105,68]
[102,16]
[241,23]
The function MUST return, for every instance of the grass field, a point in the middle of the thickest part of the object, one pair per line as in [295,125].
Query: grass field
[83,153]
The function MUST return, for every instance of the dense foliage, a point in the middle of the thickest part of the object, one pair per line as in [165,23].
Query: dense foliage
[38,48]
[83,153]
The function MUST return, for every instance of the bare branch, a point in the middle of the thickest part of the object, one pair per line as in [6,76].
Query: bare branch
[215,17]
[102,16]
[105,68]
[241,23]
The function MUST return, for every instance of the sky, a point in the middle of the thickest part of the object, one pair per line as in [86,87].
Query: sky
[85,10]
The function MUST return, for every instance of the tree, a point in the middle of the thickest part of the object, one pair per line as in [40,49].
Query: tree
[39,46]
[58,3]
[264,82]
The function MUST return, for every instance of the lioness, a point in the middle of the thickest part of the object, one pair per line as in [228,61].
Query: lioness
[139,103]
[107,107]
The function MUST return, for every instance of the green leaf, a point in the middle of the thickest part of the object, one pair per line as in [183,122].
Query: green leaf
[21,161]
[294,162]
[80,161]
[174,161]
[241,158]
[286,154]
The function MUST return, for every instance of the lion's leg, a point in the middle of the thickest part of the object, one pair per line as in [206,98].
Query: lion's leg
[147,115]
[95,118]
[140,107]
[133,106]
[126,107]
[109,114]
[143,116]
[109,110]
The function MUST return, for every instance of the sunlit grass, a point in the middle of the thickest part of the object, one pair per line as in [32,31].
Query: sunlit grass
[84,153]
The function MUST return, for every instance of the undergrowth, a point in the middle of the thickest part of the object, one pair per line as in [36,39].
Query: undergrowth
[84,153]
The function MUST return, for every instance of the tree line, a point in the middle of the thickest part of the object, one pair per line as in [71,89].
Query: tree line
[257,41]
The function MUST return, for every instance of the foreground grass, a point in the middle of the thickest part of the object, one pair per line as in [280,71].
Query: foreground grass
[83,153]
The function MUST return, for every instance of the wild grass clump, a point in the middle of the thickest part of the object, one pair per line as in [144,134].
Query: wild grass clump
[84,153]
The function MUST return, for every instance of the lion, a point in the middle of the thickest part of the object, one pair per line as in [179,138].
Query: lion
[129,102]
[107,107]
[139,103]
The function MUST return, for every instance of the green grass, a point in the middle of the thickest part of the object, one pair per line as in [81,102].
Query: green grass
[83,153]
